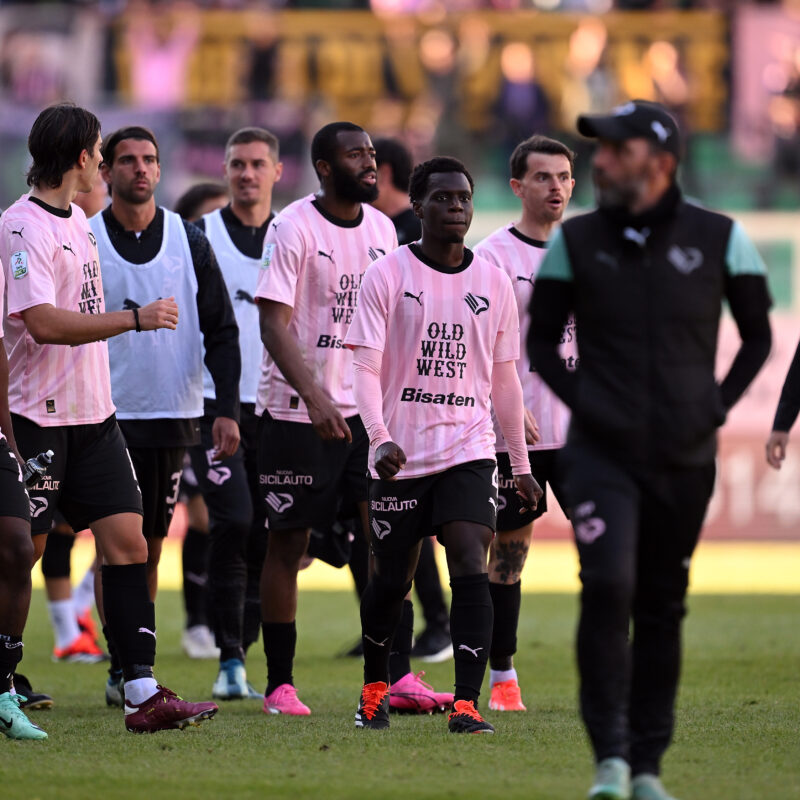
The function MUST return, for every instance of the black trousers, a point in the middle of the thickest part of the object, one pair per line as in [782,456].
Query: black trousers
[636,529]
[237,536]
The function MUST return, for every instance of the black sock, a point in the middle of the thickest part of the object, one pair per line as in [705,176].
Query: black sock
[130,616]
[115,667]
[280,640]
[195,576]
[400,656]
[471,629]
[256,550]
[381,608]
[10,656]
[506,600]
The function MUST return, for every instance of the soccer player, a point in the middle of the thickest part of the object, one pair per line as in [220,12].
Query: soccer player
[645,275]
[60,394]
[312,451]
[230,486]
[16,557]
[157,378]
[436,331]
[541,177]
[434,644]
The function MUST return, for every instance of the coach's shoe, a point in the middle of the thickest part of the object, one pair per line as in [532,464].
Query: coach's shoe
[115,690]
[198,642]
[29,699]
[411,695]
[231,683]
[83,650]
[466,719]
[164,711]
[13,723]
[284,700]
[433,646]
[612,780]
[649,787]
[506,697]
[373,707]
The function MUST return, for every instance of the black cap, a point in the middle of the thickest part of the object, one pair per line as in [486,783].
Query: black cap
[634,120]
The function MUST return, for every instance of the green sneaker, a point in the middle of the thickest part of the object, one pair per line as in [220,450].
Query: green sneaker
[612,780]
[649,787]
[13,723]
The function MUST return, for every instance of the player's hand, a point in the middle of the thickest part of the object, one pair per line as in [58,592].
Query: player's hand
[776,448]
[389,460]
[528,491]
[161,313]
[531,428]
[225,436]
[327,421]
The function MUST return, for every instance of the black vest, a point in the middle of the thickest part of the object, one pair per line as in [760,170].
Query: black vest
[648,304]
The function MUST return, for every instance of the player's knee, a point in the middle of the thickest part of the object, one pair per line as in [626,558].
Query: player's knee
[16,551]
[287,548]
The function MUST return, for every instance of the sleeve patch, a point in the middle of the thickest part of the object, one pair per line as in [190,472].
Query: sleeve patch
[19,264]
[266,259]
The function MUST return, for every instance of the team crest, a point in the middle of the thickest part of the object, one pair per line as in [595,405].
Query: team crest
[476,303]
[19,264]
[92,240]
[685,259]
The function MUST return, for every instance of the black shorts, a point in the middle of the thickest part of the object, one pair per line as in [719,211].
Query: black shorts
[401,512]
[229,486]
[91,476]
[544,468]
[304,480]
[13,494]
[159,472]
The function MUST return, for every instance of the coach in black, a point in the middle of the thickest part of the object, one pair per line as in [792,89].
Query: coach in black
[645,275]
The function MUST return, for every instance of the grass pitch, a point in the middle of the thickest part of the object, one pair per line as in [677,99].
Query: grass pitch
[738,733]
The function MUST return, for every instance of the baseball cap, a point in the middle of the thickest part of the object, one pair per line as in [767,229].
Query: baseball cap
[634,120]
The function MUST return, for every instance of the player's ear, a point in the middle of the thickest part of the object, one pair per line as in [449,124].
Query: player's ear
[418,212]
[516,186]
[323,168]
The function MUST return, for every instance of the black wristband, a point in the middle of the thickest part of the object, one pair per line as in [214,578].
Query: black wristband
[136,319]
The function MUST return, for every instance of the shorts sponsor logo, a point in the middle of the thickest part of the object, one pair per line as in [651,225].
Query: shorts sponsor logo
[412,395]
[505,482]
[588,526]
[38,506]
[280,501]
[285,477]
[381,528]
[218,475]
[19,263]
[46,484]
[392,504]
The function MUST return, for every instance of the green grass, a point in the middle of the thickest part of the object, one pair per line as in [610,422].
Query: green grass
[738,733]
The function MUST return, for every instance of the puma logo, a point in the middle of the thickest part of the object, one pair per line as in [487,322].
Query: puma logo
[19,232]
[147,630]
[469,649]
[68,247]
[380,644]
[414,297]
[241,294]
[325,255]
[523,278]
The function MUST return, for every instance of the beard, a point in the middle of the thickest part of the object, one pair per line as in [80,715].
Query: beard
[620,194]
[350,189]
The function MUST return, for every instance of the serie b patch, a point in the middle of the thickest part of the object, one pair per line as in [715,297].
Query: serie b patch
[266,260]
[19,264]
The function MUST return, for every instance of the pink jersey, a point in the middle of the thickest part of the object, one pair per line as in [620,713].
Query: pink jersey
[51,258]
[440,334]
[520,257]
[315,265]
[2,300]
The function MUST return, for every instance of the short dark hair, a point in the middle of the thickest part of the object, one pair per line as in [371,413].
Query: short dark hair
[394,153]
[131,132]
[537,144]
[248,135]
[323,145]
[58,137]
[418,184]
[189,203]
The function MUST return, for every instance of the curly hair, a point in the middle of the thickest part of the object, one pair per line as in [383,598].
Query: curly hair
[418,184]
